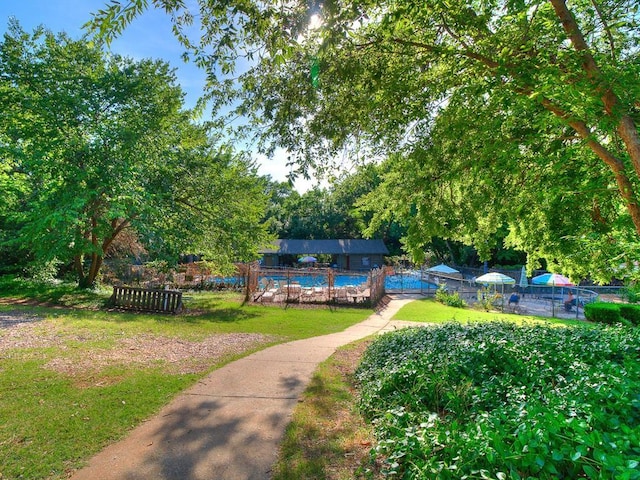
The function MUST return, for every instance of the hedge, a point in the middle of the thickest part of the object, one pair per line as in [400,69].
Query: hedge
[602,312]
[630,312]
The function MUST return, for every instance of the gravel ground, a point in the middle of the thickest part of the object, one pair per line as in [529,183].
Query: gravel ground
[19,331]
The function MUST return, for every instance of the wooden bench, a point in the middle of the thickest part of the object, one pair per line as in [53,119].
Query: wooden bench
[147,299]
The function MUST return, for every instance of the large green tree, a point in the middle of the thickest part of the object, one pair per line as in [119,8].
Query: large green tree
[93,146]
[500,113]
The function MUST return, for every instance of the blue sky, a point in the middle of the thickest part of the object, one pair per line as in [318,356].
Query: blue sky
[149,36]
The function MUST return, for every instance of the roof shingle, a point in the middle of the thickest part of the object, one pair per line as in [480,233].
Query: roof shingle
[332,247]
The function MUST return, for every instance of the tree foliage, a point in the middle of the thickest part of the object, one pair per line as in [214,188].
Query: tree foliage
[94,146]
[517,114]
[333,212]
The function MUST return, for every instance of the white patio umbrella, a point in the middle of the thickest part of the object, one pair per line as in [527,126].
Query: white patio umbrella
[496,278]
[307,259]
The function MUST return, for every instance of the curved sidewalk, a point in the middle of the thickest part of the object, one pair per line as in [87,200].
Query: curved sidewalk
[230,424]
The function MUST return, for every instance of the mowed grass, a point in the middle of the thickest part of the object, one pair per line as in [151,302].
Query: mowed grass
[51,422]
[327,438]
[430,311]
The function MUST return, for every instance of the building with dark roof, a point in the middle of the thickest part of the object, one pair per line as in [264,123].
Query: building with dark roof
[345,254]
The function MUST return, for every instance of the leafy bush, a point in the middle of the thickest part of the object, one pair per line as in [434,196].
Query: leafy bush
[489,299]
[450,299]
[501,401]
[602,312]
[43,271]
[630,312]
[631,293]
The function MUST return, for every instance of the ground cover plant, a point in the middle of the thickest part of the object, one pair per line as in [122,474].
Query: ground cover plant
[450,299]
[498,400]
[72,380]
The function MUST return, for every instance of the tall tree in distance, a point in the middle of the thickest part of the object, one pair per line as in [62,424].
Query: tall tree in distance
[517,113]
[96,145]
[331,212]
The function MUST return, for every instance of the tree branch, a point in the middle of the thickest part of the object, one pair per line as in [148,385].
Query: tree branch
[625,125]
[115,231]
[441,51]
[606,29]
[625,187]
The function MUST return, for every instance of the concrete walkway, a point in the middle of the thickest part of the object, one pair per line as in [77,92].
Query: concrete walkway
[229,426]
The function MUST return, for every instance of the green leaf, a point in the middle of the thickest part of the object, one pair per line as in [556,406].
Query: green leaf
[590,471]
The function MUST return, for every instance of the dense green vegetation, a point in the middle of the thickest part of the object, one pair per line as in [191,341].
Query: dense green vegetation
[496,400]
[98,156]
[611,313]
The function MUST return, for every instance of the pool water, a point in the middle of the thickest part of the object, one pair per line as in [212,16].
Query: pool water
[392,282]
[399,282]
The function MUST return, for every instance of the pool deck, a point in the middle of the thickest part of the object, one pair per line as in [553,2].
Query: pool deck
[529,304]
[297,293]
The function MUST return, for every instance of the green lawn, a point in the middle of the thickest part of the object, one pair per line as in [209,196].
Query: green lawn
[54,419]
[431,311]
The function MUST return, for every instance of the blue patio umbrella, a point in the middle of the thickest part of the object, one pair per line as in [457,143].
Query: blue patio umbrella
[307,259]
[442,268]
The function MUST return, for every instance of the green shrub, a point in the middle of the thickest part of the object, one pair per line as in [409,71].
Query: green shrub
[43,271]
[631,293]
[500,401]
[489,299]
[630,312]
[602,312]
[450,299]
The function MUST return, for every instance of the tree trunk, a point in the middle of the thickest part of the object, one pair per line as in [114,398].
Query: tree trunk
[94,270]
[84,283]
[89,279]
[79,268]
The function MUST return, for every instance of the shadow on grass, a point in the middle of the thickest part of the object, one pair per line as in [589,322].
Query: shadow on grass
[16,291]
[69,300]
[220,315]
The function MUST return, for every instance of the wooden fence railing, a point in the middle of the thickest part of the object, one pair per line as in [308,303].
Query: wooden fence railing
[377,278]
[147,300]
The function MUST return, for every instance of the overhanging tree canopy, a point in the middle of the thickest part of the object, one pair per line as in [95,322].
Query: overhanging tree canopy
[517,112]
[94,145]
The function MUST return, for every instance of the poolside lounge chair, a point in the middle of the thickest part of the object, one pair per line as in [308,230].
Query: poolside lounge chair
[340,294]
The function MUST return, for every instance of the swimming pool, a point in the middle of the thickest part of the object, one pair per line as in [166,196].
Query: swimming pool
[402,282]
[392,282]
